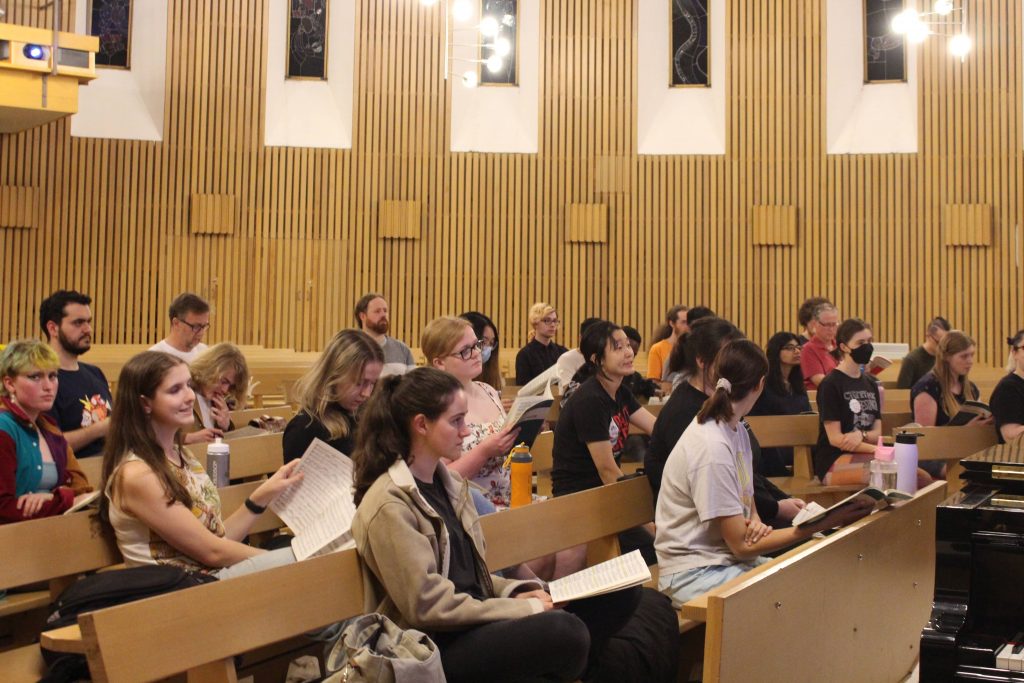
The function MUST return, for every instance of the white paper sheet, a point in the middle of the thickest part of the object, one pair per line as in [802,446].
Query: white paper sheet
[622,572]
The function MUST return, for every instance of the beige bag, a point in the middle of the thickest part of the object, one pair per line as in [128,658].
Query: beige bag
[372,649]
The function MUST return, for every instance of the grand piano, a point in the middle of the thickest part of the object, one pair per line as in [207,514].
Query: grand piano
[976,629]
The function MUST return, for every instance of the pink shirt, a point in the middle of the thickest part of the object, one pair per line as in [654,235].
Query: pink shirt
[815,359]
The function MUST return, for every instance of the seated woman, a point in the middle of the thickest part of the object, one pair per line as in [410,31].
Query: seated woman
[1007,402]
[159,501]
[39,477]
[593,426]
[784,394]
[487,332]
[708,527]
[218,374]
[695,356]
[541,352]
[451,344]
[849,408]
[419,538]
[938,395]
[332,391]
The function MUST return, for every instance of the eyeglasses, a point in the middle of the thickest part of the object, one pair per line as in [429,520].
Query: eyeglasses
[467,352]
[791,347]
[488,343]
[195,327]
[828,324]
[551,321]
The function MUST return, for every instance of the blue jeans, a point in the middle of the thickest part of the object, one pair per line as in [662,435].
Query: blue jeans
[684,586]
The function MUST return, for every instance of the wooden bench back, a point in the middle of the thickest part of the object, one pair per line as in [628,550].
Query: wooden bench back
[543,450]
[241,418]
[53,547]
[852,605]
[953,444]
[168,634]
[797,431]
[251,456]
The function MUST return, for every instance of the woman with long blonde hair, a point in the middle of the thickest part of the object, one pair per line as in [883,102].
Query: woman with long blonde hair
[332,391]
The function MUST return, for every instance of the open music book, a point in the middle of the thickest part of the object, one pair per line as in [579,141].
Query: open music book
[814,513]
[529,413]
[621,572]
[319,509]
[968,411]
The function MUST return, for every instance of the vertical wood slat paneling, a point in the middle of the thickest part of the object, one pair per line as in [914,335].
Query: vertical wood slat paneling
[114,215]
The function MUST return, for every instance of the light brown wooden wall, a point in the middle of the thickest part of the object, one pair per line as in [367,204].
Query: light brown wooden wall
[115,214]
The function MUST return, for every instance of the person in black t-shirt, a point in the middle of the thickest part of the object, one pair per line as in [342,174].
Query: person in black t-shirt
[1007,401]
[784,394]
[83,402]
[332,391]
[594,424]
[541,352]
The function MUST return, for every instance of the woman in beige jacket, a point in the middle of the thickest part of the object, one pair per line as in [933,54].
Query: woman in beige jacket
[418,534]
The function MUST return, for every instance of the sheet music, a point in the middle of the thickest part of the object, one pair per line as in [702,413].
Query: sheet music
[621,572]
[319,509]
[526,408]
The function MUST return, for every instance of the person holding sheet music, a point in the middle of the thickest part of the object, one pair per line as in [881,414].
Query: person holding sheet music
[938,395]
[39,475]
[1007,401]
[331,392]
[159,501]
[419,538]
[219,374]
[709,530]
[451,344]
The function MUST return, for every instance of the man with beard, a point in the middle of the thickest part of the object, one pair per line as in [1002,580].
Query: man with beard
[372,318]
[190,318]
[83,398]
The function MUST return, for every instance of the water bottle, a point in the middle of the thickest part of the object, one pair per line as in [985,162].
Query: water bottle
[218,462]
[521,469]
[906,462]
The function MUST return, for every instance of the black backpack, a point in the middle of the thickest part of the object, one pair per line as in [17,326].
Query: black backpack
[106,589]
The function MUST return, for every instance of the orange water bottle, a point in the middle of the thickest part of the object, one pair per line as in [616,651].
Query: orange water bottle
[521,469]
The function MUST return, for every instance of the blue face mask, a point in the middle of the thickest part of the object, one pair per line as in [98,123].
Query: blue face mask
[485,353]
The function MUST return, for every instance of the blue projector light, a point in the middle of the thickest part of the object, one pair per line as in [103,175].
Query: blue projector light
[37,52]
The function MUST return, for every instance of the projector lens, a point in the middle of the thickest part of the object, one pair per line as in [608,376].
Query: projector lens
[36,52]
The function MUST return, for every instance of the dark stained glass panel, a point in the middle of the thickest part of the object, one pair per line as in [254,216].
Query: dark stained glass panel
[307,39]
[111,22]
[689,43]
[884,54]
[506,12]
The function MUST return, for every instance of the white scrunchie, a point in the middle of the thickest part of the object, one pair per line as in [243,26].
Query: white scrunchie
[723,383]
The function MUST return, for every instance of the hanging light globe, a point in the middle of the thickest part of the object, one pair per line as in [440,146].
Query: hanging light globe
[960,45]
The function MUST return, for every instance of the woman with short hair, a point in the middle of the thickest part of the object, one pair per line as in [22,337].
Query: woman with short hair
[219,375]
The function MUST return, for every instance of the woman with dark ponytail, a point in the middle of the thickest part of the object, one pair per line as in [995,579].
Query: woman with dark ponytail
[708,527]
[1007,400]
[419,538]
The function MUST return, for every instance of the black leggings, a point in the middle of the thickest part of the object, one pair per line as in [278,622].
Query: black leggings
[558,645]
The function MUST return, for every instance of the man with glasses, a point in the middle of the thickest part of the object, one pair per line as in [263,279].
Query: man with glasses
[190,318]
[372,318]
[83,398]
[918,362]
[541,352]
[817,360]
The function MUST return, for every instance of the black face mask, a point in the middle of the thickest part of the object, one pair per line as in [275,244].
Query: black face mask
[862,354]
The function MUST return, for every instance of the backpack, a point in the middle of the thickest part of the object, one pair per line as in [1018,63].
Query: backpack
[106,589]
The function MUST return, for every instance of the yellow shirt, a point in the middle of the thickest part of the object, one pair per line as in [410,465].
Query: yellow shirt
[657,359]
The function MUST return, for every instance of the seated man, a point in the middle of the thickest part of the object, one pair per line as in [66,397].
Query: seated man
[190,318]
[372,318]
[82,406]
[921,360]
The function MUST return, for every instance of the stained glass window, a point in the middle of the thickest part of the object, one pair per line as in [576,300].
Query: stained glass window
[111,22]
[307,39]
[884,54]
[504,46]
[689,58]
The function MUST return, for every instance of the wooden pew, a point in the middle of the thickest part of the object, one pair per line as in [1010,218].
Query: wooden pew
[160,637]
[543,460]
[240,418]
[251,456]
[800,432]
[849,607]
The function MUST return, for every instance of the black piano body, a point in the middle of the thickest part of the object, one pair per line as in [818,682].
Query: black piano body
[979,571]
